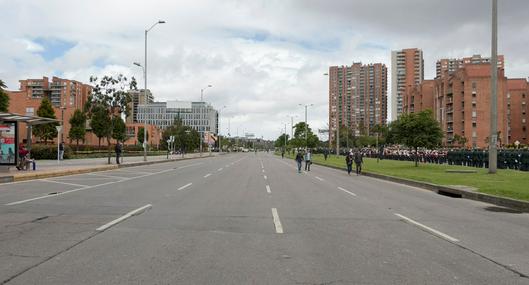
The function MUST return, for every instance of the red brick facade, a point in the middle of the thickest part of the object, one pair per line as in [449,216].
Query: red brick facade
[517,118]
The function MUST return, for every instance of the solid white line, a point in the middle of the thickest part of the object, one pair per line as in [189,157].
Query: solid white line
[265,177]
[428,229]
[124,217]
[277,222]
[263,171]
[321,179]
[220,169]
[108,176]
[134,172]
[185,186]
[207,175]
[268,189]
[189,165]
[346,191]
[65,183]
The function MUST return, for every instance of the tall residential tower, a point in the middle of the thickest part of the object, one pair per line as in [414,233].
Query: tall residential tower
[407,70]
[357,97]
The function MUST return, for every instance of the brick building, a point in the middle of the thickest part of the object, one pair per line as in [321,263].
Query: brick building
[357,97]
[407,70]
[66,96]
[517,120]
[447,66]
[419,97]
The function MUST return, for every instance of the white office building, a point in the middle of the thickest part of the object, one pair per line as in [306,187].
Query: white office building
[199,115]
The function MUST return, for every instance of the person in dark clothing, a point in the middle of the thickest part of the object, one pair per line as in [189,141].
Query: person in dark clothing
[325,154]
[118,150]
[61,151]
[349,162]
[283,154]
[299,160]
[358,159]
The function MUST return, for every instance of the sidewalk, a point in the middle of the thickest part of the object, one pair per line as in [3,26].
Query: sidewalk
[50,168]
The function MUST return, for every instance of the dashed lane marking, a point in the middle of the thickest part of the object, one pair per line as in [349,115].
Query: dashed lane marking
[185,186]
[347,191]
[426,228]
[277,222]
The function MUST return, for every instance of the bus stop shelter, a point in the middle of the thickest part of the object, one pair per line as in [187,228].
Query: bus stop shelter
[9,141]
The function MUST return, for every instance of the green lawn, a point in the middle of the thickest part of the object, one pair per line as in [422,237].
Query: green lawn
[506,183]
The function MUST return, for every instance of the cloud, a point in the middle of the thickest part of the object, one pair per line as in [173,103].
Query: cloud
[263,57]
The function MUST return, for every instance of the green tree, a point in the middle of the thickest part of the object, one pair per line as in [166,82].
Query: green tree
[300,140]
[100,122]
[119,133]
[4,98]
[46,131]
[77,127]
[110,98]
[280,141]
[417,130]
[140,135]
[186,138]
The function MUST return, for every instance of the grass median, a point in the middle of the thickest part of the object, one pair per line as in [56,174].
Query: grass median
[506,183]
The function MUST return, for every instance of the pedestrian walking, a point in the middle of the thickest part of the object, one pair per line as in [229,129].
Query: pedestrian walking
[308,160]
[299,160]
[61,151]
[118,150]
[349,161]
[325,153]
[283,154]
[358,159]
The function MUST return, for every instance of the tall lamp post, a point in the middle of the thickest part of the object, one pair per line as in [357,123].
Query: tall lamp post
[200,131]
[493,152]
[220,140]
[145,89]
[292,125]
[306,126]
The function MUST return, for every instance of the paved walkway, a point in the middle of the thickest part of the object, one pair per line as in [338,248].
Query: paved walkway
[47,166]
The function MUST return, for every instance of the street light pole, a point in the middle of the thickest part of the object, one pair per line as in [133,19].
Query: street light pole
[493,137]
[306,126]
[220,140]
[145,91]
[202,92]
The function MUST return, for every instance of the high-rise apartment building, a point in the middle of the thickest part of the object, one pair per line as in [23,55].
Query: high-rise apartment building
[407,70]
[138,97]
[447,66]
[357,97]
[517,118]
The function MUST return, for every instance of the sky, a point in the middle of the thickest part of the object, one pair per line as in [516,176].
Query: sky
[263,57]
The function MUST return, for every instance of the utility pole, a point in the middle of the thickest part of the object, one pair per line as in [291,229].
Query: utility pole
[306,125]
[493,137]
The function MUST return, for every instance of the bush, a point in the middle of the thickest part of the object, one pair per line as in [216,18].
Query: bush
[39,151]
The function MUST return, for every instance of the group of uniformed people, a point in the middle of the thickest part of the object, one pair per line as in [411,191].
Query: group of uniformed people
[507,159]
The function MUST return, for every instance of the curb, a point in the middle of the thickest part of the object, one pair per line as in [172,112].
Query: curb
[519,205]
[56,173]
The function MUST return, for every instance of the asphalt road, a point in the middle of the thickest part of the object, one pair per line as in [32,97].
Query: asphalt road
[251,219]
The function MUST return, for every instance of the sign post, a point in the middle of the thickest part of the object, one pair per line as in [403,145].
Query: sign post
[59,129]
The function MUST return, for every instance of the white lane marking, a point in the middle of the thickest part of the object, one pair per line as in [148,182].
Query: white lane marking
[265,177]
[124,217]
[220,169]
[263,171]
[268,189]
[426,228]
[185,186]
[227,165]
[189,165]
[108,176]
[321,179]
[277,222]
[65,183]
[347,191]
[134,172]
[207,175]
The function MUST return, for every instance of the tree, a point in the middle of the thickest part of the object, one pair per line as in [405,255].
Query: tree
[46,131]
[119,133]
[140,135]
[186,138]
[100,122]
[299,136]
[77,127]
[109,99]
[4,98]
[417,130]
[459,140]
[282,141]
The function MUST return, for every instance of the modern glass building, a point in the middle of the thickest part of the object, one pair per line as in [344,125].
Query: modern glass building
[199,115]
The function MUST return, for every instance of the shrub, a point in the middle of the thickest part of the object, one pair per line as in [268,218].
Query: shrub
[39,151]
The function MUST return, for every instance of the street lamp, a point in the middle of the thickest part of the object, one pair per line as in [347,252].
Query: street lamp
[306,126]
[220,140]
[292,125]
[145,89]
[493,151]
[202,92]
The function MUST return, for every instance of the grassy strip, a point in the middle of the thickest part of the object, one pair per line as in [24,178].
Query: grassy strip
[506,183]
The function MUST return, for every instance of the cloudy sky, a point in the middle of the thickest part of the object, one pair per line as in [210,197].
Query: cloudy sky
[263,57]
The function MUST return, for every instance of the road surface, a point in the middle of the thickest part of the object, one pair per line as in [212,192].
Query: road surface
[251,219]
